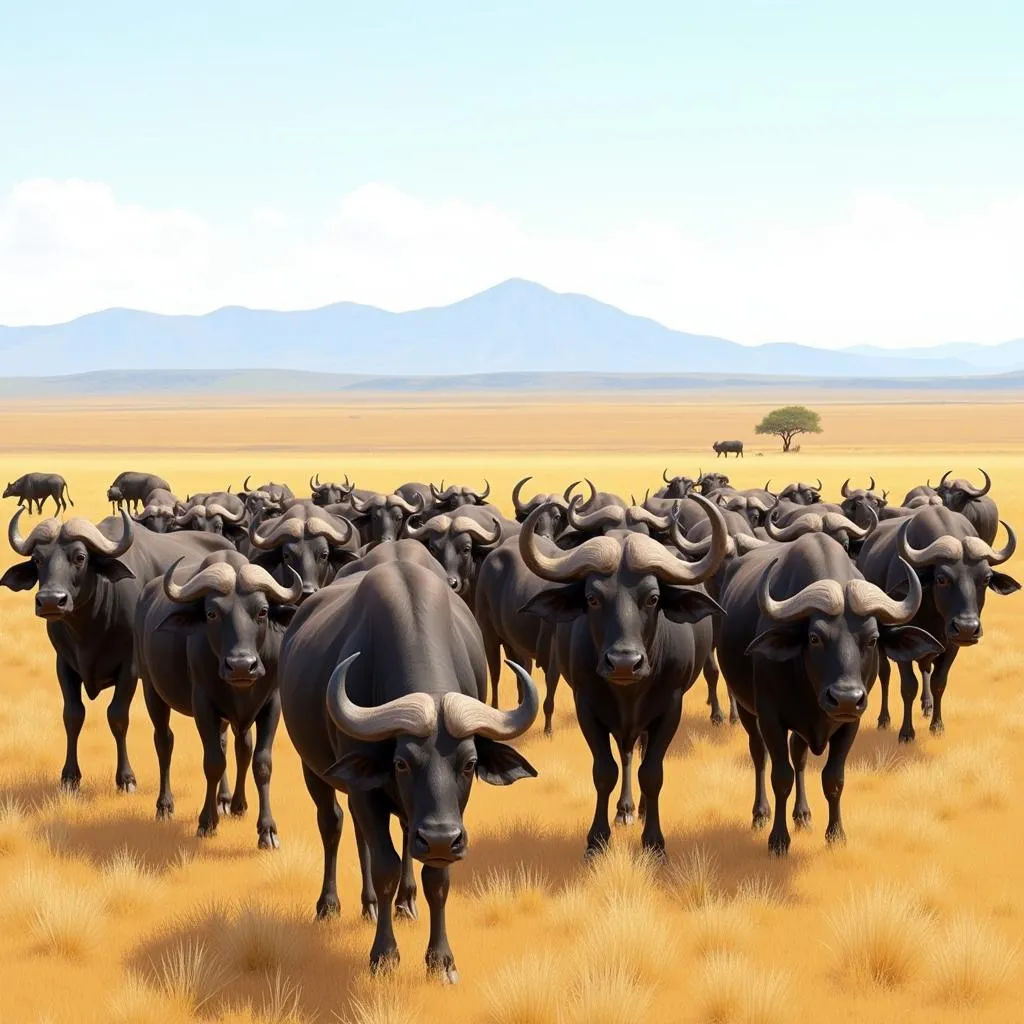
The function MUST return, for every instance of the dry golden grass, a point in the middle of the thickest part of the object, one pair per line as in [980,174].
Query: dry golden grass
[217,931]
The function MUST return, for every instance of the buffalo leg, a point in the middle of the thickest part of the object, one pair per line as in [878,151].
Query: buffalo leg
[262,766]
[776,741]
[373,815]
[884,672]
[652,773]
[605,774]
[224,790]
[908,691]
[368,896]
[74,718]
[625,809]
[833,776]
[734,708]
[711,675]
[758,755]
[117,718]
[212,735]
[939,679]
[329,819]
[547,656]
[927,667]
[243,759]
[163,740]
[405,903]
[801,809]
[492,649]
[440,959]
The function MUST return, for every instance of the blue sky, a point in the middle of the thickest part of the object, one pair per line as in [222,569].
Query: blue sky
[720,122]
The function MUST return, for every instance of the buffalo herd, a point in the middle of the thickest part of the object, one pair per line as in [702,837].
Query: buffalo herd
[375,625]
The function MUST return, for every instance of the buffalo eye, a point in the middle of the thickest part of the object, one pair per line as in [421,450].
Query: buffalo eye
[262,614]
[986,580]
[211,615]
[871,641]
[79,559]
[652,601]
[814,640]
[401,765]
[593,601]
[469,768]
[322,556]
[941,580]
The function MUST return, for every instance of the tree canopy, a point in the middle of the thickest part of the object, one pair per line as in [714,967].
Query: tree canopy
[789,421]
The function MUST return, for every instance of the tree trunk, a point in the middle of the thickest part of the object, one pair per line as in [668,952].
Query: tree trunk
[787,440]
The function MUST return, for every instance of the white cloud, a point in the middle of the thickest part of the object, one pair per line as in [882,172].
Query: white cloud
[883,273]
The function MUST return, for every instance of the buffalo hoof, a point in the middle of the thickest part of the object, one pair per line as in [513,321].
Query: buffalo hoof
[238,809]
[625,816]
[907,735]
[802,820]
[835,835]
[778,843]
[268,840]
[406,909]
[71,783]
[385,961]
[224,805]
[327,907]
[926,709]
[442,967]
[548,731]
[370,912]
[734,719]
[760,820]
[164,812]
[884,721]
[126,784]
[206,831]
[937,728]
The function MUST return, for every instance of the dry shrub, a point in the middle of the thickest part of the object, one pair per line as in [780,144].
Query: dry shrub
[257,940]
[721,925]
[629,933]
[526,991]
[501,895]
[127,884]
[760,891]
[879,936]
[12,827]
[970,961]
[736,991]
[622,870]
[67,921]
[189,974]
[695,880]
[607,995]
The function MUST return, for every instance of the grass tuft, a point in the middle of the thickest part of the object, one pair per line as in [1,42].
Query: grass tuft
[736,991]
[695,880]
[127,884]
[258,941]
[623,871]
[12,827]
[387,1006]
[607,995]
[721,925]
[971,961]
[501,895]
[189,974]
[526,991]
[629,934]
[67,921]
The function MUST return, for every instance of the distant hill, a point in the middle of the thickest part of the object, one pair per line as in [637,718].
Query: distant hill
[516,327]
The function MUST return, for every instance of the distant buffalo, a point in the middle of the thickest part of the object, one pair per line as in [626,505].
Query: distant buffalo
[134,489]
[38,487]
[725,447]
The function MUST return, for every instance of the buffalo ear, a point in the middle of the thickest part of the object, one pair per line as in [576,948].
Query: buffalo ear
[499,764]
[688,606]
[339,557]
[358,772]
[780,643]
[556,604]
[183,617]
[908,643]
[269,560]
[281,615]
[1002,584]
[22,576]
[113,568]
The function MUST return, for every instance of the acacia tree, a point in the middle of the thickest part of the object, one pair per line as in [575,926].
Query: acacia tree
[788,422]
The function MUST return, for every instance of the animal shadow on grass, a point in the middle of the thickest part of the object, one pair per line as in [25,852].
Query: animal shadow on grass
[879,748]
[218,960]
[159,844]
[696,726]
[33,789]
[555,855]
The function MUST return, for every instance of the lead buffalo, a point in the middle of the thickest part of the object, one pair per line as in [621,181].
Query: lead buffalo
[954,566]
[208,648]
[38,487]
[725,447]
[89,579]
[799,648]
[382,686]
[632,633]
[133,488]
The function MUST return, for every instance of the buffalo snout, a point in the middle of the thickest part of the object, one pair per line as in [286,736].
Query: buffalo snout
[845,700]
[441,844]
[52,603]
[242,668]
[624,665]
[965,630]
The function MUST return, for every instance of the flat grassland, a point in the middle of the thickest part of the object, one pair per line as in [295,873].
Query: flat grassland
[109,916]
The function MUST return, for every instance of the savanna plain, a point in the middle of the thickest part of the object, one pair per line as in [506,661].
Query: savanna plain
[107,915]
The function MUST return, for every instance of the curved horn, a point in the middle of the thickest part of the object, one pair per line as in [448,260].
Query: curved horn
[810,523]
[833,522]
[322,526]
[434,492]
[318,478]
[665,476]
[845,489]
[414,714]
[482,495]
[866,599]
[217,509]
[362,507]
[397,501]
[946,548]
[567,494]
[871,486]
[245,485]
[638,515]
[45,532]
[272,533]
[517,493]
[744,543]
[825,596]
[90,536]
[312,486]
[976,492]
[645,553]
[218,578]
[598,554]
[467,716]
[942,482]
[818,488]
[593,493]
[437,524]
[190,515]
[254,577]
[977,549]
[599,520]
[463,524]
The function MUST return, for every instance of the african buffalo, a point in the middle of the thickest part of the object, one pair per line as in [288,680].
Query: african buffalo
[708,482]
[383,680]
[725,447]
[217,512]
[328,493]
[821,518]
[448,499]
[859,503]
[382,517]
[676,486]
[90,577]
[208,648]
[554,521]
[133,489]
[160,511]
[632,633]
[598,499]
[38,487]
[801,493]
[974,502]
[954,567]
[799,648]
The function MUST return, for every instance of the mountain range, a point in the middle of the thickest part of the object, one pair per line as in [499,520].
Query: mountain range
[516,327]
